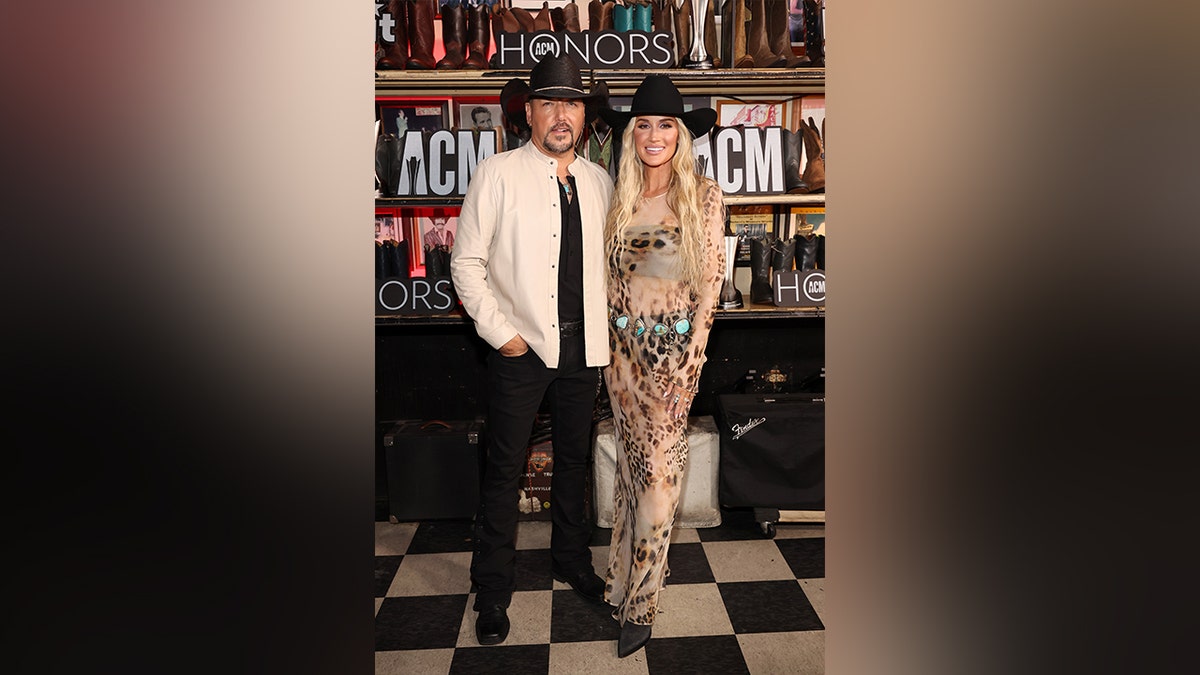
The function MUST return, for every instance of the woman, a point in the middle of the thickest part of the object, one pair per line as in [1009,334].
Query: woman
[664,238]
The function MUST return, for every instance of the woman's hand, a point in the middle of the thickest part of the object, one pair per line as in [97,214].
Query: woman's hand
[679,400]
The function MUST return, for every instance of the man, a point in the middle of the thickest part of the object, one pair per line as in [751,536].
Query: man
[528,265]
[438,235]
[481,117]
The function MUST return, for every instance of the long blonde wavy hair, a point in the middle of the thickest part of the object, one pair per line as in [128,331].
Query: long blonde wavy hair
[683,197]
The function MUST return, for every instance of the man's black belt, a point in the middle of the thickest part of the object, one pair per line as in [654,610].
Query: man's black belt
[570,328]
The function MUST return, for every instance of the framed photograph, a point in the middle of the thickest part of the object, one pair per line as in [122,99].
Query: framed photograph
[767,113]
[438,227]
[480,114]
[399,115]
[388,227]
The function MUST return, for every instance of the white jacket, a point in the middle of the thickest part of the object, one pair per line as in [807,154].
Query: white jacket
[505,257]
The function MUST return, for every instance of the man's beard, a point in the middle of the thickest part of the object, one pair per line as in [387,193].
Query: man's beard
[555,146]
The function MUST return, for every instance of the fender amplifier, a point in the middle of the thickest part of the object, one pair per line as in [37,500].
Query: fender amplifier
[433,469]
[772,450]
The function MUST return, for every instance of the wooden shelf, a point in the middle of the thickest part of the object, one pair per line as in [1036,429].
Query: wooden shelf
[779,82]
[730,200]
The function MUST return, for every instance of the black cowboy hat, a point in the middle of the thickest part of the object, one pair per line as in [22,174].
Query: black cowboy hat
[552,77]
[657,95]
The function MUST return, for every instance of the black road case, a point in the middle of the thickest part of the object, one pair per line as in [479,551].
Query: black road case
[433,469]
[772,453]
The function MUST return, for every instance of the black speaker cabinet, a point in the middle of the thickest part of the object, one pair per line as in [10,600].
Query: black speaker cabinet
[773,450]
[433,469]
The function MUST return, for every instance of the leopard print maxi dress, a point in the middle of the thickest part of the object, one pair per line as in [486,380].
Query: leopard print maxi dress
[658,329]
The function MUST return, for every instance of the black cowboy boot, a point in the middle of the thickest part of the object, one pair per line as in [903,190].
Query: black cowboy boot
[783,256]
[792,143]
[420,34]
[399,262]
[386,171]
[380,259]
[760,271]
[454,34]
[806,251]
[821,252]
[395,53]
[479,37]
[814,34]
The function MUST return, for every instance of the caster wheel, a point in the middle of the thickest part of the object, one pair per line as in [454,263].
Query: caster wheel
[768,529]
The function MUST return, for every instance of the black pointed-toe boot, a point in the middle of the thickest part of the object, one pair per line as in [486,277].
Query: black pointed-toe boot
[760,271]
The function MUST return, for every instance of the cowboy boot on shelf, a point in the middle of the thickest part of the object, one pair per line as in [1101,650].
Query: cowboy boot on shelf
[806,251]
[760,271]
[558,20]
[814,34]
[821,251]
[779,32]
[792,151]
[541,20]
[387,169]
[398,263]
[733,29]
[600,15]
[571,17]
[710,33]
[523,17]
[381,258]
[420,34]
[643,16]
[698,56]
[783,256]
[756,37]
[479,37]
[682,30]
[395,52]
[813,179]
[454,33]
[622,17]
[731,297]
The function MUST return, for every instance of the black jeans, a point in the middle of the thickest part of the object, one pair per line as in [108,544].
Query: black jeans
[516,387]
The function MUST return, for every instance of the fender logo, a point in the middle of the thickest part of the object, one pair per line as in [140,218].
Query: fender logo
[739,430]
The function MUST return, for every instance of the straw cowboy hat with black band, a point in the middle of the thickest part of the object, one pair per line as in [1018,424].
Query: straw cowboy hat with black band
[657,96]
[553,77]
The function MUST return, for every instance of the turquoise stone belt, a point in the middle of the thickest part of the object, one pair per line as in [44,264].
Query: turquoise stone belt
[664,326]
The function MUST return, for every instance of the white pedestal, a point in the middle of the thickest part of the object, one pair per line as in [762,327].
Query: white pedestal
[698,501]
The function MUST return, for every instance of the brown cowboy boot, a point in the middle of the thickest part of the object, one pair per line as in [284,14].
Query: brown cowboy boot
[523,17]
[541,20]
[779,32]
[710,33]
[756,37]
[571,17]
[683,30]
[733,26]
[600,15]
[813,179]
[478,37]
[420,34]
[454,33]
[395,53]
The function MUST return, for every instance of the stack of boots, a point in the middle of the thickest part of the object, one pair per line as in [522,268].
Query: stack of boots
[395,53]
[814,41]
[454,34]
[792,151]
[571,17]
[779,33]
[523,17]
[813,179]
[622,17]
[760,271]
[783,257]
[420,34]
[541,21]
[806,246]
[479,37]
[756,38]
[733,27]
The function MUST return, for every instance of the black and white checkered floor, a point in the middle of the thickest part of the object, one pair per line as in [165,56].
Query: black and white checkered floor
[735,602]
